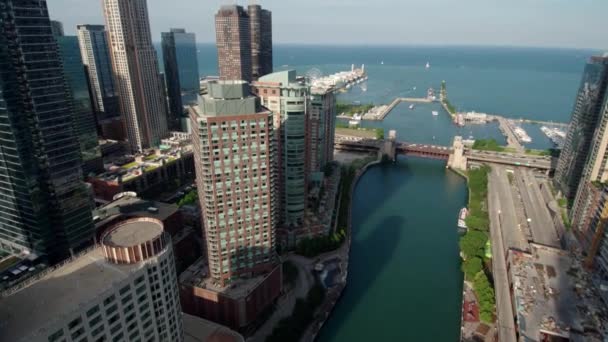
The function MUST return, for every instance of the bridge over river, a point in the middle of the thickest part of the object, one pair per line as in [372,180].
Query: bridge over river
[458,156]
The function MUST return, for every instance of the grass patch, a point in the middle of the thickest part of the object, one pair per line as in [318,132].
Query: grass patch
[366,133]
[150,157]
[130,165]
[488,145]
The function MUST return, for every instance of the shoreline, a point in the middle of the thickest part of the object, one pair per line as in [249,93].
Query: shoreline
[334,294]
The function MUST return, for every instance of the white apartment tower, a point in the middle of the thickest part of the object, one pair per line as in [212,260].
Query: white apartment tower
[136,73]
[124,289]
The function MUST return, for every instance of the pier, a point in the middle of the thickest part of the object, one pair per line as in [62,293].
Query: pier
[396,102]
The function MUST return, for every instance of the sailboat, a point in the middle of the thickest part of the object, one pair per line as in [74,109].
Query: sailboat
[428,65]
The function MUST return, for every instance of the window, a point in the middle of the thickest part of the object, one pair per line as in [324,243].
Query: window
[93,311]
[74,323]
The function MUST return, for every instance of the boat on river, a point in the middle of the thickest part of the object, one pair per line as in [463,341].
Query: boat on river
[462,216]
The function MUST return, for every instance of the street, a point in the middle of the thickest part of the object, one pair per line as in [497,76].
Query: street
[504,310]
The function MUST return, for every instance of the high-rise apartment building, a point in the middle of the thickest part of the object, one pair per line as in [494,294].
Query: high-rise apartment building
[234,156]
[84,119]
[124,289]
[181,74]
[96,58]
[585,118]
[260,28]
[44,206]
[288,100]
[322,124]
[244,42]
[136,74]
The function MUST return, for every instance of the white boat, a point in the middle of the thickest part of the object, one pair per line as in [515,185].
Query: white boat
[435,113]
[428,65]
[382,63]
[412,106]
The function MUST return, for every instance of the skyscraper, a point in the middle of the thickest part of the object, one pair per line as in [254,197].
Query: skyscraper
[84,118]
[260,26]
[57,28]
[44,207]
[585,118]
[137,77]
[288,99]
[234,157]
[233,40]
[322,124]
[244,42]
[181,74]
[234,151]
[104,95]
[124,289]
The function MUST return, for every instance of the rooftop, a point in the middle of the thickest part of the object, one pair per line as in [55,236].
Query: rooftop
[201,330]
[139,164]
[553,296]
[133,233]
[58,293]
[130,206]
[197,275]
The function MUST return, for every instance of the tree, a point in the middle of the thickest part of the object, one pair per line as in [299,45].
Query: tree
[471,267]
[472,244]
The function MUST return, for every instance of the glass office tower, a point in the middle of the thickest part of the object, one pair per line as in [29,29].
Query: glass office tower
[84,118]
[181,74]
[44,205]
[96,58]
[585,118]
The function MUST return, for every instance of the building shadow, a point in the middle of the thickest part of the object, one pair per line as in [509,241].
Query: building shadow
[370,265]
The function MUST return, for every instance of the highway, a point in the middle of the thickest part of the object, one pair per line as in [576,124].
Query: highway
[513,234]
[539,218]
[505,321]
[514,159]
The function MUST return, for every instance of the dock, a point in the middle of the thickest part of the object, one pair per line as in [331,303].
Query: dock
[396,102]
[507,130]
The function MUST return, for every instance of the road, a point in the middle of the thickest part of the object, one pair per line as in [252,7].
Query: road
[539,218]
[512,231]
[505,322]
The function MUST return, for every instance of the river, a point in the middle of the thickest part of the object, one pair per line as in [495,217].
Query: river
[404,281]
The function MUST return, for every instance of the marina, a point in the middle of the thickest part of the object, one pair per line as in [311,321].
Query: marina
[341,81]
[556,135]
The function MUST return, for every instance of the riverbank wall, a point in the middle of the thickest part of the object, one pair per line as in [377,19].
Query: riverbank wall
[334,294]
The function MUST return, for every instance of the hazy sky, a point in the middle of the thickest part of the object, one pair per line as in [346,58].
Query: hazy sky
[555,23]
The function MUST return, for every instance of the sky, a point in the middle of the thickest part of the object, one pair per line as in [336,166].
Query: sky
[536,23]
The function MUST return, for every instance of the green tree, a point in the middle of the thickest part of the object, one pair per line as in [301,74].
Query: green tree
[471,267]
[472,244]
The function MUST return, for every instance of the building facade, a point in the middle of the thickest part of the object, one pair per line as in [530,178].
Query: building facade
[45,207]
[288,100]
[125,289]
[233,40]
[84,119]
[260,28]
[136,73]
[95,56]
[585,119]
[181,74]
[234,150]
[322,128]
[234,157]
[244,42]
